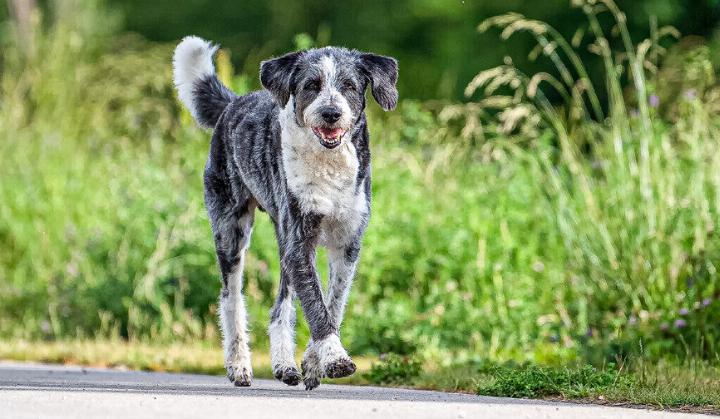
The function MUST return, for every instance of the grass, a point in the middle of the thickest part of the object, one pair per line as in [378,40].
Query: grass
[191,358]
[677,385]
[534,381]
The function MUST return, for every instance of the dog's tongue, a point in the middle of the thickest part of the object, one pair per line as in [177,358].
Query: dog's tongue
[330,132]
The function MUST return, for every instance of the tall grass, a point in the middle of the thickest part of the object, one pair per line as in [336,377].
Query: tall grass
[554,233]
[634,195]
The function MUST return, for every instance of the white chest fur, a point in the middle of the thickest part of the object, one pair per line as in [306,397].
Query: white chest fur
[323,180]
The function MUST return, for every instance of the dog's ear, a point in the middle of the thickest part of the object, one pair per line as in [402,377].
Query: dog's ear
[276,75]
[382,73]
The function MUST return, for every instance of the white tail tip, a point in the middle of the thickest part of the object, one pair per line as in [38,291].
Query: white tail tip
[192,61]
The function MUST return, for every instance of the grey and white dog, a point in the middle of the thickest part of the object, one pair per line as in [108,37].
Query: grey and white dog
[299,150]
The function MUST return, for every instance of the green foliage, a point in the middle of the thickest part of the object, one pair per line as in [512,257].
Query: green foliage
[613,181]
[433,39]
[533,381]
[394,369]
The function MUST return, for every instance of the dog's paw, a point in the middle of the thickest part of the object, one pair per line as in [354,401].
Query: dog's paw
[311,383]
[288,375]
[311,369]
[240,376]
[331,358]
[340,368]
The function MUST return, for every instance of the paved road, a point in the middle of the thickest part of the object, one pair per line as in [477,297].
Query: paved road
[48,391]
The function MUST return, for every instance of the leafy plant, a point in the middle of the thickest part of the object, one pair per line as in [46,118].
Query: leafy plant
[394,369]
[534,381]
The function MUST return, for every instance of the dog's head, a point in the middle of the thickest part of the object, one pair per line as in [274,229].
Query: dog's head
[327,88]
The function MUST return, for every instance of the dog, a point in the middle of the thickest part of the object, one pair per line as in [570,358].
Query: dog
[299,150]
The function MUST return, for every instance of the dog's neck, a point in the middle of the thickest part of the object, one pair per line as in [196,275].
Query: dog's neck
[320,178]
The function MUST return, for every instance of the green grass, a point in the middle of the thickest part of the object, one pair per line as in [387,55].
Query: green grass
[677,385]
[534,381]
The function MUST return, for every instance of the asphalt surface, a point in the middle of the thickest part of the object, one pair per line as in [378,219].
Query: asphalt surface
[50,391]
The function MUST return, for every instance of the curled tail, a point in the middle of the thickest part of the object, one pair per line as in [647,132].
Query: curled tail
[197,84]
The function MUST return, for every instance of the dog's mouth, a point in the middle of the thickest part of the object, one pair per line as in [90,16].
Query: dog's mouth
[329,137]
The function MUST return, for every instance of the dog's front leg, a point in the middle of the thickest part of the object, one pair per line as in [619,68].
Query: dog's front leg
[343,261]
[282,335]
[325,355]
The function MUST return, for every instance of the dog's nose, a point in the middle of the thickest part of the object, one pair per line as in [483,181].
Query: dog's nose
[330,114]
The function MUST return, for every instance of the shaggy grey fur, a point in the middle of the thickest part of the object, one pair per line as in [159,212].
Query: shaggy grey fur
[246,170]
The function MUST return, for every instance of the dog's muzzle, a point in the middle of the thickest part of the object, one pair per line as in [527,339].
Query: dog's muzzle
[329,137]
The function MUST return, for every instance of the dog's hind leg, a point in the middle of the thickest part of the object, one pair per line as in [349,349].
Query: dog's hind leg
[233,314]
[232,217]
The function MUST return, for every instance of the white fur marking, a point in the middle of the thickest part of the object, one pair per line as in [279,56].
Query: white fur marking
[233,314]
[282,337]
[192,61]
[339,284]
[328,66]
[328,350]
[320,354]
[233,318]
[323,180]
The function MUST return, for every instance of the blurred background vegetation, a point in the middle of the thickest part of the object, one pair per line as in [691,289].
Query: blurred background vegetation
[435,40]
[569,216]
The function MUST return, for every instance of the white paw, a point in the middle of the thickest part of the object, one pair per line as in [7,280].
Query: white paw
[238,365]
[325,358]
[312,371]
[329,349]
[240,375]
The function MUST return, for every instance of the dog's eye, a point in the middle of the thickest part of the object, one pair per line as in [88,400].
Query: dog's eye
[348,85]
[312,85]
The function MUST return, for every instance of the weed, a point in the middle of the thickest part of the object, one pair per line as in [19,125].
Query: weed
[534,381]
[394,369]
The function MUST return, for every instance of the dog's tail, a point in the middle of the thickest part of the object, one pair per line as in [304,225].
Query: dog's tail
[197,84]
